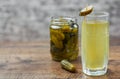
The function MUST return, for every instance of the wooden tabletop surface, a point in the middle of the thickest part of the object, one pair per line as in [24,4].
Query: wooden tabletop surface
[32,60]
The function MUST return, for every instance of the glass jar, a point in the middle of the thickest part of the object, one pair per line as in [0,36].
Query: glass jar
[64,38]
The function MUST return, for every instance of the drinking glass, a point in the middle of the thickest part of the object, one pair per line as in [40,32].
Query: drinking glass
[95,43]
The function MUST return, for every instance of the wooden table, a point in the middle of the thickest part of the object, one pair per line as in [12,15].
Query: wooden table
[32,60]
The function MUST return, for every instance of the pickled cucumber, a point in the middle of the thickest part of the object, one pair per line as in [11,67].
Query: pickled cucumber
[66,28]
[58,34]
[68,66]
[57,43]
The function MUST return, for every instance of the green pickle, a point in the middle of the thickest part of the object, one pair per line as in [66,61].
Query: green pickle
[64,40]
[68,66]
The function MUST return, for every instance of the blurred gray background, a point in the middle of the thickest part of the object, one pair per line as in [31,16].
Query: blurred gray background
[28,20]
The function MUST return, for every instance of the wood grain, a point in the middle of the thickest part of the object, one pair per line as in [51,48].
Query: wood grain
[32,60]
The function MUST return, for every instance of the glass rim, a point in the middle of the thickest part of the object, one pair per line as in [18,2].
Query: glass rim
[98,14]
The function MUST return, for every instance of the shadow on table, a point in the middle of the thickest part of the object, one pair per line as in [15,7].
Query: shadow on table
[94,77]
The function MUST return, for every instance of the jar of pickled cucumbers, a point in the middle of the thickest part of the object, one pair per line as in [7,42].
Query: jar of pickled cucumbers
[64,38]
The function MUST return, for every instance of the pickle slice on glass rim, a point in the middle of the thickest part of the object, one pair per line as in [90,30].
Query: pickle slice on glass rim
[87,10]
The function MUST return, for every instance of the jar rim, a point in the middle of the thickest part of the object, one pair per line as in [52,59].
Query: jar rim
[66,19]
[57,18]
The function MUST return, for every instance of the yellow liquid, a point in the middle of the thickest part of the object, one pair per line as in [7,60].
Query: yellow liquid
[95,44]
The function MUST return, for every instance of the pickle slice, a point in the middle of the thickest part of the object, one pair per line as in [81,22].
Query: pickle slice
[87,10]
